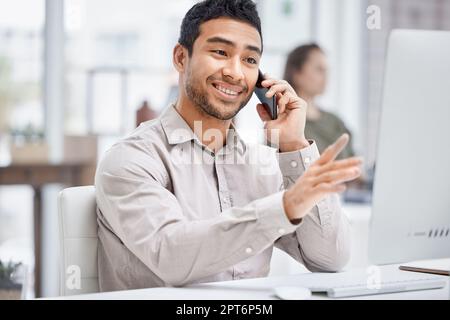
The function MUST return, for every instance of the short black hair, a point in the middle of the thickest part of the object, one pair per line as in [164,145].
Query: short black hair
[297,59]
[242,10]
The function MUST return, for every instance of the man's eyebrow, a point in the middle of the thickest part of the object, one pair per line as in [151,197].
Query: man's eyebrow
[232,44]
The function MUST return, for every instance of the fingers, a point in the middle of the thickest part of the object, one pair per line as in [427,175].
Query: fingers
[330,188]
[286,96]
[282,100]
[269,81]
[336,176]
[287,100]
[277,88]
[262,112]
[337,164]
[332,151]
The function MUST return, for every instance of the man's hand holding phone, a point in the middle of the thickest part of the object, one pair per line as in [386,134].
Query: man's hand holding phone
[326,175]
[289,125]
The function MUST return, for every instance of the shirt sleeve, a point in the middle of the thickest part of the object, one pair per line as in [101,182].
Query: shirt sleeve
[150,222]
[322,239]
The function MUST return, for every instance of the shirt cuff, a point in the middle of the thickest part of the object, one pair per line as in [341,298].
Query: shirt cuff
[295,163]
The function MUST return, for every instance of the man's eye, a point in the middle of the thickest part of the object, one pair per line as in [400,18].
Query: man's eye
[220,52]
[252,60]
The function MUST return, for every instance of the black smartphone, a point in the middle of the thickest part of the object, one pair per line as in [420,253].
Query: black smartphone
[269,103]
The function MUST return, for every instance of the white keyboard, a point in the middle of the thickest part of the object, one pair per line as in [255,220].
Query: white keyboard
[369,282]
[355,282]
[384,287]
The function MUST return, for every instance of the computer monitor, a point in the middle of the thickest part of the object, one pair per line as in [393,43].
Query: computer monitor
[411,200]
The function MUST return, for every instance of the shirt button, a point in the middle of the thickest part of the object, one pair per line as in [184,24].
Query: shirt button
[294,164]
[248,250]
[281,230]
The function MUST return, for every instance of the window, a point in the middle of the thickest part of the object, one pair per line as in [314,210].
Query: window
[21,113]
[21,55]
[115,61]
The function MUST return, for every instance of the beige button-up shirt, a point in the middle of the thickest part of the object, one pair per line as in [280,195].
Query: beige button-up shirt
[171,212]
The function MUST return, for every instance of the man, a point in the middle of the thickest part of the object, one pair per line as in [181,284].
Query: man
[174,210]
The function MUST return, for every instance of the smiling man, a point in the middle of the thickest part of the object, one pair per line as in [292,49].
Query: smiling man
[172,208]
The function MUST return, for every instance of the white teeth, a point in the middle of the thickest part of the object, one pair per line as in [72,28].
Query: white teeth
[227,91]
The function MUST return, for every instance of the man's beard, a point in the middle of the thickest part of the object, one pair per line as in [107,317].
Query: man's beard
[200,100]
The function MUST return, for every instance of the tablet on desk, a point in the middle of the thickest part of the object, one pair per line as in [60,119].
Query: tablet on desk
[440,266]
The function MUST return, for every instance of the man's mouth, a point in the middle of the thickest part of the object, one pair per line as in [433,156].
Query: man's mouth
[227,91]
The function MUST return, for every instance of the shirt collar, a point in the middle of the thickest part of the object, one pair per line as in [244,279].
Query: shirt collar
[178,131]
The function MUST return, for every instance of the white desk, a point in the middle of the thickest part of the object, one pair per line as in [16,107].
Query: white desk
[250,289]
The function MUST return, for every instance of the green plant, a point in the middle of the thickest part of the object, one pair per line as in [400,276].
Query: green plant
[7,270]
[9,289]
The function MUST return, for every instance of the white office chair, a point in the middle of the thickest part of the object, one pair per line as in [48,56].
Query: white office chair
[78,241]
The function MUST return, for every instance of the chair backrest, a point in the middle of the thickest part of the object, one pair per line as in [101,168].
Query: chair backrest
[78,241]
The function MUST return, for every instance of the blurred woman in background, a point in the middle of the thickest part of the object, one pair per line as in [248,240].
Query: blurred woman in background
[306,71]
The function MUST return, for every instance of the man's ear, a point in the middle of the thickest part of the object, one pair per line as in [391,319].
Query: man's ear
[180,56]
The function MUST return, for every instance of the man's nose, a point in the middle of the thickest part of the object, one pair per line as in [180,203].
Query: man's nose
[233,70]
